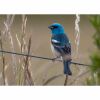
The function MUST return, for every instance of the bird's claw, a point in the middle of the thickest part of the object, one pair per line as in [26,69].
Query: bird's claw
[53,60]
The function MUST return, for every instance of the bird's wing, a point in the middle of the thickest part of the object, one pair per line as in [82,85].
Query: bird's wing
[63,49]
[67,49]
[61,43]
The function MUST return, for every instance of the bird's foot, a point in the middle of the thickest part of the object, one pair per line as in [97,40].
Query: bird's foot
[54,59]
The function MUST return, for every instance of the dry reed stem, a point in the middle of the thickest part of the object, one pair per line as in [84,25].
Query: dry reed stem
[3,61]
[19,74]
[23,47]
[52,78]
[27,74]
[18,41]
[66,80]
[23,71]
[20,68]
[23,43]
[8,23]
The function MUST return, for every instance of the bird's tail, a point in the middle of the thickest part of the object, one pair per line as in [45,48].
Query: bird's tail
[67,70]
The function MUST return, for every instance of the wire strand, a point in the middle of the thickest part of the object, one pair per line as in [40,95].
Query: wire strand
[39,57]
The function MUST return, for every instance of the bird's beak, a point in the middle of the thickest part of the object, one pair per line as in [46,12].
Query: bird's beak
[50,27]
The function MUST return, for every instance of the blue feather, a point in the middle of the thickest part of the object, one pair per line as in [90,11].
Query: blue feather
[67,70]
[61,45]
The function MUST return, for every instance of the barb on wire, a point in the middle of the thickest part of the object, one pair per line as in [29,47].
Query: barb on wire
[39,57]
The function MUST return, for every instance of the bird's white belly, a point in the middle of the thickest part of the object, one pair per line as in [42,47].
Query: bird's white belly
[55,53]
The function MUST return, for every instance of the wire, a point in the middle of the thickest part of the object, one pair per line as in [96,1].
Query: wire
[38,57]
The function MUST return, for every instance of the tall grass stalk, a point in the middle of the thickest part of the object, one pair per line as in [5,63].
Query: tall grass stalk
[23,48]
[8,23]
[3,60]
[23,74]
[27,74]
[66,80]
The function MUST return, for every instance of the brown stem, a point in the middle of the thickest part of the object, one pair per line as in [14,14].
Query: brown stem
[66,80]
[27,74]
[3,60]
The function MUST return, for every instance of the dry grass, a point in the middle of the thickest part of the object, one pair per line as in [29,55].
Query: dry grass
[21,72]
[7,30]
[27,75]
[3,60]
[66,80]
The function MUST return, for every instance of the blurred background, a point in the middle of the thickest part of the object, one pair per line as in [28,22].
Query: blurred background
[43,72]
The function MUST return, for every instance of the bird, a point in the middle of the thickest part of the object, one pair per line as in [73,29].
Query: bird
[61,46]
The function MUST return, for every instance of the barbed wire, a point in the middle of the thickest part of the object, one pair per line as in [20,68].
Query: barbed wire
[39,57]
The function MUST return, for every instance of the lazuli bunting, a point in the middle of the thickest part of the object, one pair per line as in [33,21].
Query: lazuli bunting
[61,46]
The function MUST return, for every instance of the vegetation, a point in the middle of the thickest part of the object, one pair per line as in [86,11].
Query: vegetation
[21,72]
[95,58]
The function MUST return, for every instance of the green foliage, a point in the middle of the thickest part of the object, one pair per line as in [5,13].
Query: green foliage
[95,21]
[95,58]
[97,39]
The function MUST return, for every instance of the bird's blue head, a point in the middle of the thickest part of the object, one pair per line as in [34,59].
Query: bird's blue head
[56,28]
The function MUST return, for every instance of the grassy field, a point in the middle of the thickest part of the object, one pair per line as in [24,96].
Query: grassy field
[30,35]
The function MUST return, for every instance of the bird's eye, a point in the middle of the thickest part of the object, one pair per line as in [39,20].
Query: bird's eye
[55,26]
